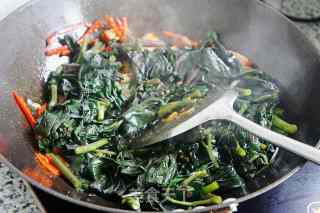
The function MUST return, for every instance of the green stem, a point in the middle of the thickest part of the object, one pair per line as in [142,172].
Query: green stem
[132,202]
[279,111]
[283,125]
[91,147]
[215,199]
[195,94]
[173,107]
[106,152]
[265,98]
[240,151]
[209,148]
[193,176]
[102,108]
[65,171]
[53,95]
[153,82]
[276,129]
[244,92]
[210,187]
[83,48]
[243,108]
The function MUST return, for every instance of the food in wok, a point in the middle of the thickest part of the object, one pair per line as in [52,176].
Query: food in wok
[113,87]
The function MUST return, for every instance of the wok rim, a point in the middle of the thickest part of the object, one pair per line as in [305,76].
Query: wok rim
[93,206]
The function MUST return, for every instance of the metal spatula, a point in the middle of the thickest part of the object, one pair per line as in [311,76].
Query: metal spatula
[219,106]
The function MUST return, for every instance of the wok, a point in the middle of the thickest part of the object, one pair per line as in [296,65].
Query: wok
[249,27]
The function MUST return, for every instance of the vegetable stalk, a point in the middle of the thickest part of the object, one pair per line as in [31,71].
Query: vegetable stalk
[208,146]
[240,151]
[132,202]
[210,187]
[283,125]
[214,199]
[65,171]
[91,147]
[244,92]
[102,108]
[193,176]
[53,95]
[46,164]
[174,106]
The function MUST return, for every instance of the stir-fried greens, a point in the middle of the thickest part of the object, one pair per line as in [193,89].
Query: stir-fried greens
[115,87]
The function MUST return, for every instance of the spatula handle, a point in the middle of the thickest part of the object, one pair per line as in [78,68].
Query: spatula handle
[306,151]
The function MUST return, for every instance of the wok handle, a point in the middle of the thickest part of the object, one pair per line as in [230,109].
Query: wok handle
[306,151]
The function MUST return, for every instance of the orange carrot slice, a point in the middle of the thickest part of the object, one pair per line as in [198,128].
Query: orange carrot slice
[43,160]
[24,109]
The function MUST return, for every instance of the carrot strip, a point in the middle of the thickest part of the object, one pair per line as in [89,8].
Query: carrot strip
[125,22]
[47,164]
[119,24]
[104,36]
[39,175]
[112,24]
[62,51]
[180,40]
[244,61]
[169,34]
[124,28]
[93,27]
[40,110]
[81,38]
[65,30]
[24,109]
[108,49]
[50,38]
[56,151]
[110,21]
[65,52]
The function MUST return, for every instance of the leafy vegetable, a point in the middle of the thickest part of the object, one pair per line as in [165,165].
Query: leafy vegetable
[114,88]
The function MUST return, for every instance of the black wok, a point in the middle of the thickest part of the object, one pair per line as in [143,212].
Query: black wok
[267,37]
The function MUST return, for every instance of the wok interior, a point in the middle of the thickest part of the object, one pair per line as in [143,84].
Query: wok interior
[250,28]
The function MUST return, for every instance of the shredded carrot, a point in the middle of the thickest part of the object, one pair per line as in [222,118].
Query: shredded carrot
[119,24]
[65,52]
[124,28]
[62,159]
[93,28]
[108,49]
[43,160]
[104,36]
[61,51]
[65,30]
[180,40]
[38,175]
[51,38]
[110,21]
[40,110]
[114,26]
[125,22]
[244,61]
[24,109]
